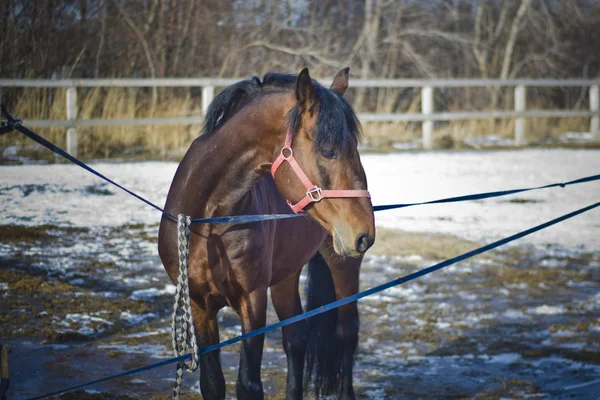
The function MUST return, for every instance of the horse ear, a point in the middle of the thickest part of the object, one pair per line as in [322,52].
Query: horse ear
[306,94]
[340,82]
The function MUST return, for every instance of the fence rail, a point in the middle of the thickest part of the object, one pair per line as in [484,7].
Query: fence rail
[427,116]
[356,83]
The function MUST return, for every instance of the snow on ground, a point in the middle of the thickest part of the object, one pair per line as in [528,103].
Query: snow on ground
[422,176]
[526,321]
[65,194]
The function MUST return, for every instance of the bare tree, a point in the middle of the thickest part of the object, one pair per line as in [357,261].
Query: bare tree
[376,38]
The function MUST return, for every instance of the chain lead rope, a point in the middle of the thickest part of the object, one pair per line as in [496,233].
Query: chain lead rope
[182,325]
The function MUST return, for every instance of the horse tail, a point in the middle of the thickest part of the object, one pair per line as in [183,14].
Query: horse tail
[323,361]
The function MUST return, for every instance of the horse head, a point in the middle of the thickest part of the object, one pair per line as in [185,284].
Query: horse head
[319,169]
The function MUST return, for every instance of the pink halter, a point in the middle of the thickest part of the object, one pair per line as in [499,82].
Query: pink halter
[314,193]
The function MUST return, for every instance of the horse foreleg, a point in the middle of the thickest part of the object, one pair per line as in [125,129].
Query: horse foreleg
[212,382]
[287,303]
[345,273]
[252,310]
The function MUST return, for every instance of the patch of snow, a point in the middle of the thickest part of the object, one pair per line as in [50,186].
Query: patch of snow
[232,331]
[553,263]
[104,294]
[149,333]
[564,363]
[375,393]
[152,292]
[514,314]
[547,310]
[11,151]
[576,346]
[521,286]
[380,298]
[88,324]
[3,286]
[196,387]
[59,194]
[467,296]
[79,317]
[423,176]
[136,281]
[473,319]
[576,137]
[412,292]
[136,319]
[407,145]
[580,284]
[55,346]
[591,303]
[489,141]
[564,333]
[154,350]
[370,342]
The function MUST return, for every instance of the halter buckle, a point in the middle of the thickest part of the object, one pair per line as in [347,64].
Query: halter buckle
[315,194]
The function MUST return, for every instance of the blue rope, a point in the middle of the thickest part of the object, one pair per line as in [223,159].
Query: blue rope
[12,123]
[16,124]
[487,195]
[338,303]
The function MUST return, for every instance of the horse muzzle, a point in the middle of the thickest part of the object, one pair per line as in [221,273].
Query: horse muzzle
[348,245]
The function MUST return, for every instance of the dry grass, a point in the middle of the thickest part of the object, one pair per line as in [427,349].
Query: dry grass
[110,103]
[382,135]
[165,141]
[432,246]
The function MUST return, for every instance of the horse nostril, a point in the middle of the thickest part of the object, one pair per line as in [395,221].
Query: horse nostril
[362,243]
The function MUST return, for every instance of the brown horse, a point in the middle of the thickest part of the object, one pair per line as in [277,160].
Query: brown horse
[225,172]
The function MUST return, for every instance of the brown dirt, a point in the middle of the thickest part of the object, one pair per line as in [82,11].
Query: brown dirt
[431,246]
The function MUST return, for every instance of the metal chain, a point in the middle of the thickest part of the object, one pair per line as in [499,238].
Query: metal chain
[182,325]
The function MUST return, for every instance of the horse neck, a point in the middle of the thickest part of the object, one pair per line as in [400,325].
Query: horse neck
[228,163]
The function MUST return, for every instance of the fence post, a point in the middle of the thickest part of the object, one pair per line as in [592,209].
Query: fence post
[520,104]
[208,92]
[427,109]
[4,373]
[595,107]
[72,116]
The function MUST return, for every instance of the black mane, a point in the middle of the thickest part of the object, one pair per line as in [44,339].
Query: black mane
[228,101]
[337,124]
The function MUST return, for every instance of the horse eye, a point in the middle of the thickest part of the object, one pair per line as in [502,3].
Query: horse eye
[328,153]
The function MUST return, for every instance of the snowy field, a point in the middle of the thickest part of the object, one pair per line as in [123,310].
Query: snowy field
[417,177]
[68,195]
[520,323]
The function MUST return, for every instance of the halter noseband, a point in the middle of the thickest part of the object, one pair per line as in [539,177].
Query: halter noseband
[314,193]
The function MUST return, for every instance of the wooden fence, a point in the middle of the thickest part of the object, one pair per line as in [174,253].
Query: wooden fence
[427,116]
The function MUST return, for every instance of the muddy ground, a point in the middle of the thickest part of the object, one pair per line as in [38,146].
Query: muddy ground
[522,322]
[83,294]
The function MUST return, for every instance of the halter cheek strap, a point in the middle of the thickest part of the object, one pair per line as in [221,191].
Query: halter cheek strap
[314,193]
